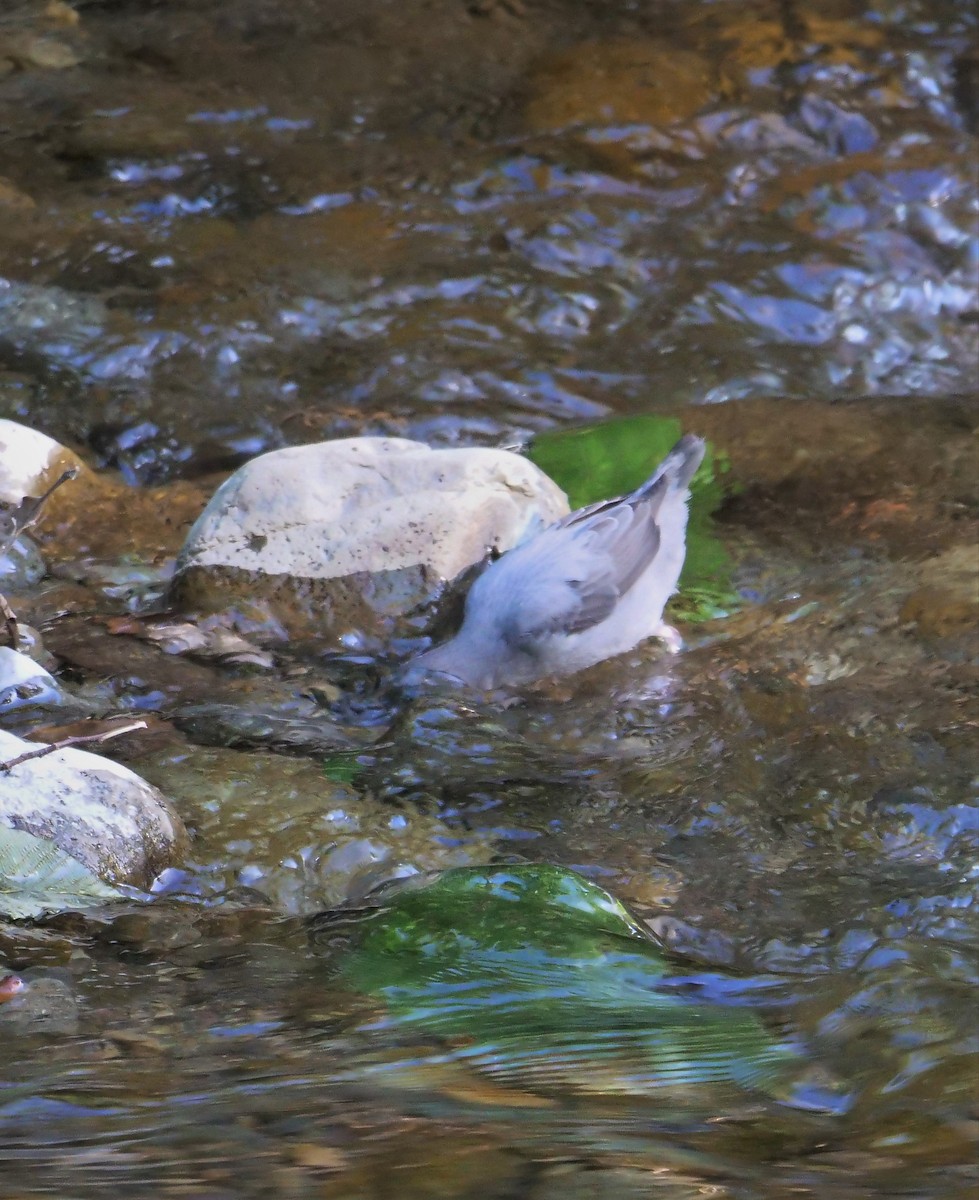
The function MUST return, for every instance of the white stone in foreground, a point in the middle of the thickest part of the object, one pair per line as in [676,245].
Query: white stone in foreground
[113,822]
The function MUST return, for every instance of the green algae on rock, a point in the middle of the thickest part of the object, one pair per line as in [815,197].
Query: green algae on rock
[38,877]
[540,978]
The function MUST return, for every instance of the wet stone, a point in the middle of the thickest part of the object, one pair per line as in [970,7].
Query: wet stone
[96,812]
[357,535]
[947,602]
[282,828]
[619,83]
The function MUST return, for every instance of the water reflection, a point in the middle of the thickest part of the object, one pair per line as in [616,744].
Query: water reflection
[219,237]
[823,200]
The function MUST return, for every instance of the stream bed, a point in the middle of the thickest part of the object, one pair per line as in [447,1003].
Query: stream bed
[228,226]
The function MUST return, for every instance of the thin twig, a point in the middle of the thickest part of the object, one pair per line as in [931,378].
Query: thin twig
[71,473]
[23,515]
[78,739]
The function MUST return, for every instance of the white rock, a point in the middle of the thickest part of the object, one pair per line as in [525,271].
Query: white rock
[357,537]
[25,456]
[371,504]
[24,682]
[113,822]
[29,461]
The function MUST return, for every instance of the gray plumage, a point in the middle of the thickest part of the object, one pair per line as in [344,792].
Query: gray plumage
[586,588]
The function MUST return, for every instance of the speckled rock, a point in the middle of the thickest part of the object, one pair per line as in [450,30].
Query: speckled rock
[116,825]
[349,536]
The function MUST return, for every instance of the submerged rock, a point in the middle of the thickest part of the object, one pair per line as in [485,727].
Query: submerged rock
[350,536]
[289,829]
[620,82]
[101,816]
[536,977]
[42,1005]
[947,601]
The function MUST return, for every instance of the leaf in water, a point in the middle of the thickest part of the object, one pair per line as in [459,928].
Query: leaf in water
[614,457]
[36,877]
[341,767]
[541,977]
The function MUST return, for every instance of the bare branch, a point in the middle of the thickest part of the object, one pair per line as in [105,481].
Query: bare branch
[19,517]
[79,739]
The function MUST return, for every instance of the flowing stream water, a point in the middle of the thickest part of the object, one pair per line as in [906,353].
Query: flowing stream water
[232,225]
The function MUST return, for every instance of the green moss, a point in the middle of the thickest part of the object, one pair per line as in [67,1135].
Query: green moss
[342,767]
[539,971]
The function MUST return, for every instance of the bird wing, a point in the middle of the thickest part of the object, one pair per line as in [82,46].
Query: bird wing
[574,573]
[569,579]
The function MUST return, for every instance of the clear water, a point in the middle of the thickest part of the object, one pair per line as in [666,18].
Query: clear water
[233,227]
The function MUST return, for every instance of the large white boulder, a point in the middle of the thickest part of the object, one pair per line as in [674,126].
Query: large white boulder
[99,813]
[345,534]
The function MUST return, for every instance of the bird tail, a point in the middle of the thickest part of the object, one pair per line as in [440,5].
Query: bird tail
[679,466]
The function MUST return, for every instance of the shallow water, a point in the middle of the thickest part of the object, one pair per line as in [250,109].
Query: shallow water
[229,227]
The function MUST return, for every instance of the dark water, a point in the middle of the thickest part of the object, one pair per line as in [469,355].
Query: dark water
[226,227]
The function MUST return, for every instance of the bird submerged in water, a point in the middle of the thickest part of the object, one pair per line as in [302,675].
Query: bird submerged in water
[586,588]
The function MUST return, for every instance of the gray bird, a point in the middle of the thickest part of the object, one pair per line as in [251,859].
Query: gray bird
[586,588]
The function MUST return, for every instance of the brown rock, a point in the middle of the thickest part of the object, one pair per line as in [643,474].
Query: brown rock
[634,82]
[947,602]
[12,198]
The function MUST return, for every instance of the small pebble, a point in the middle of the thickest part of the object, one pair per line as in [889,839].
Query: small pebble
[10,985]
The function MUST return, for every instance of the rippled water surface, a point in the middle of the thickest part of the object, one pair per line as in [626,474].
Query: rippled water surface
[227,227]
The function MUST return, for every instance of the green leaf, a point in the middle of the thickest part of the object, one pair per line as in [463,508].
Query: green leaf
[549,979]
[597,462]
[342,767]
[37,877]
